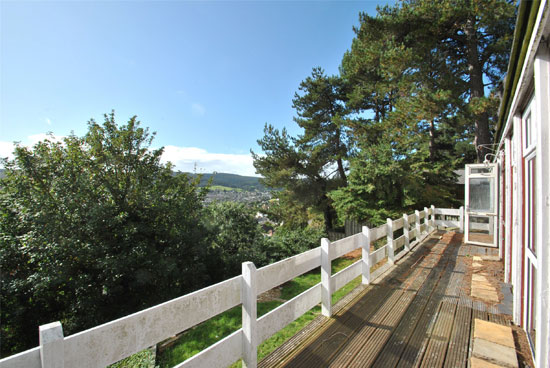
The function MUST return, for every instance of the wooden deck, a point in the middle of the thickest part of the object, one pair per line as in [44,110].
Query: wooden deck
[417,315]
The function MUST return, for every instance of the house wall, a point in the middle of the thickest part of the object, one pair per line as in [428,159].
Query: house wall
[533,88]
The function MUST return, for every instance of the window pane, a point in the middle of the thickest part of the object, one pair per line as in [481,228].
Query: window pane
[481,194]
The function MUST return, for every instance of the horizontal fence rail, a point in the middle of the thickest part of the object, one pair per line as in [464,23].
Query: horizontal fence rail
[116,340]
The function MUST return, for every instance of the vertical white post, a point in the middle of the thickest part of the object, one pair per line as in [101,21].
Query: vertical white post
[461,220]
[365,264]
[406,232]
[433,218]
[52,351]
[326,285]
[249,315]
[389,237]
[426,220]
[417,225]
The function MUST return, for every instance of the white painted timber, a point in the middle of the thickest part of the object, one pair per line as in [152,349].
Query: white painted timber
[378,232]
[399,242]
[447,211]
[221,354]
[281,316]
[113,341]
[249,316]
[378,255]
[423,228]
[412,233]
[26,359]
[447,223]
[406,232]
[346,245]
[52,351]
[397,224]
[422,214]
[389,237]
[341,278]
[326,290]
[365,256]
[412,218]
[280,272]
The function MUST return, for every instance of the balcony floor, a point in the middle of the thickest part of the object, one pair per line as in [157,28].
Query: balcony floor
[418,314]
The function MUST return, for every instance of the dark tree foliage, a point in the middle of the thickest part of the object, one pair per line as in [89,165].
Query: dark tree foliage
[92,229]
[309,166]
[417,75]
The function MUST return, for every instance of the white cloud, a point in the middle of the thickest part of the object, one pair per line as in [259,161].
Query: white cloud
[198,109]
[187,159]
[190,159]
[6,150]
[48,121]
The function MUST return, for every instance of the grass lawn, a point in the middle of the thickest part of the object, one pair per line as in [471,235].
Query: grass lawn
[216,328]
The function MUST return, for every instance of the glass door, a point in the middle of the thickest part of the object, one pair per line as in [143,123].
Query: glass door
[481,204]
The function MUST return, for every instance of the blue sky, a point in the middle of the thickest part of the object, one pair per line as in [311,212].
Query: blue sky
[205,75]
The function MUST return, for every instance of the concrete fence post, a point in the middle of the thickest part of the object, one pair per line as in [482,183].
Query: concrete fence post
[365,264]
[389,237]
[426,221]
[461,219]
[406,232]
[417,225]
[249,315]
[326,284]
[52,351]
[434,227]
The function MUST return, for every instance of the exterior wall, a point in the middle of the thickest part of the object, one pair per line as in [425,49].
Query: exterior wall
[533,88]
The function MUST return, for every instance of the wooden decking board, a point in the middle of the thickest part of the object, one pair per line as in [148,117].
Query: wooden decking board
[375,343]
[416,346]
[373,336]
[417,315]
[345,325]
[457,352]
[391,352]
[439,340]
[340,326]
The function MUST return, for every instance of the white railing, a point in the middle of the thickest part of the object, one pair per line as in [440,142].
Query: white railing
[116,340]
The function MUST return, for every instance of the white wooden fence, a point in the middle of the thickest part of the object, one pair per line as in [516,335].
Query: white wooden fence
[116,340]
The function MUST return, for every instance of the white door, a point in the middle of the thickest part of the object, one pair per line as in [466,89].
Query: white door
[529,140]
[481,204]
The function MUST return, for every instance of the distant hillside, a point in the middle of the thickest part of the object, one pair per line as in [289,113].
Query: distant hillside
[248,183]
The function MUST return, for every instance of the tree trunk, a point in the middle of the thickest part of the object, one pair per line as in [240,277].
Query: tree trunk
[475,71]
[432,141]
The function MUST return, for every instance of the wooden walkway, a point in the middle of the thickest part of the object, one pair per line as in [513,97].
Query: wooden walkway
[417,315]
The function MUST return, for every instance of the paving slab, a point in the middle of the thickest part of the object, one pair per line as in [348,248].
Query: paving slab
[493,332]
[495,353]
[491,258]
[480,363]
[479,277]
[476,264]
[488,295]
[483,286]
[477,258]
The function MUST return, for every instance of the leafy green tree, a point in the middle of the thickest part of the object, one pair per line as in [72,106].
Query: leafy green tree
[312,164]
[235,238]
[92,229]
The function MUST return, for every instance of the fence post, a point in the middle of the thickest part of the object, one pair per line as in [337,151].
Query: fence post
[427,220]
[389,237]
[461,220]
[326,284]
[365,265]
[406,232]
[249,315]
[417,225]
[52,351]
[434,227]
